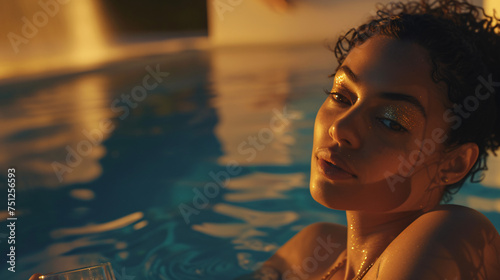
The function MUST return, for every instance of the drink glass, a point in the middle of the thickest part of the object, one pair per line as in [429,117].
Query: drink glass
[102,271]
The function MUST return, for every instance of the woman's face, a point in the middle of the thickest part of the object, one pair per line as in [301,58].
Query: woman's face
[378,138]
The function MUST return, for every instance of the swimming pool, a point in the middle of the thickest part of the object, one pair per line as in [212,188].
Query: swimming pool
[193,165]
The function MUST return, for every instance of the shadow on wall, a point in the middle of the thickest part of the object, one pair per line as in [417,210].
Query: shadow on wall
[155,16]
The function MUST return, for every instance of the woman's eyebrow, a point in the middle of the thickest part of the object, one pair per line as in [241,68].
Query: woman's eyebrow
[404,97]
[348,72]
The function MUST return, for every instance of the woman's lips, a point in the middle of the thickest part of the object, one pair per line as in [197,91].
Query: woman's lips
[332,171]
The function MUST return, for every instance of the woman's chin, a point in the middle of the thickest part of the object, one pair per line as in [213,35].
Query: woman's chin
[354,198]
[327,196]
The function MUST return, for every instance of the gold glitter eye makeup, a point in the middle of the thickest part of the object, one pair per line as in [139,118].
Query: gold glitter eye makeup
[404,115]
[339,80]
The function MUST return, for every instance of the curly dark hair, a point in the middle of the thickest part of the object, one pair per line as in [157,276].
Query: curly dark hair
[463,45]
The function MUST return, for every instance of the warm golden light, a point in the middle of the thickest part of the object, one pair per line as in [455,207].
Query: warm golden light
[46,37]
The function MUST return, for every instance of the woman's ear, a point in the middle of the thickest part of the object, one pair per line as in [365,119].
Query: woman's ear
[458,162]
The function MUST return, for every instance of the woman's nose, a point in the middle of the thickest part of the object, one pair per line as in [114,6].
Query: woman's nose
[345,131]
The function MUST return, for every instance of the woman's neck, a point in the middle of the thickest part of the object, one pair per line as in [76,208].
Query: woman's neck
[369,234]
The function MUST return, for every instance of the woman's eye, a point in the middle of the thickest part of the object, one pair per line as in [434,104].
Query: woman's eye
[339,98]
[392,125]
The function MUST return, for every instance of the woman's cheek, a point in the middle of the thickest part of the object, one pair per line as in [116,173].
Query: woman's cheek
[381,158]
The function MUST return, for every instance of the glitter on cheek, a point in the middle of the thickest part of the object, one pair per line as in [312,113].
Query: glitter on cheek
[403,114]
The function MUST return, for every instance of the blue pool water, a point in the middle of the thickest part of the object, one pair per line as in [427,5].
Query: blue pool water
[202,175]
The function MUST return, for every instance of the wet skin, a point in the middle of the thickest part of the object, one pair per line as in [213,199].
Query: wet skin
[384,105]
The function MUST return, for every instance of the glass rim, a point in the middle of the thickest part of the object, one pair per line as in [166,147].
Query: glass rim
[105,264]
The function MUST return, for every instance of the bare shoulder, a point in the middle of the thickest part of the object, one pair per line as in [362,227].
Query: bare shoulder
[450,242]
[311,251]
[464,222]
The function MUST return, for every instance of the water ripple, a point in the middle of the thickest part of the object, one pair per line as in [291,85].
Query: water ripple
[190,264]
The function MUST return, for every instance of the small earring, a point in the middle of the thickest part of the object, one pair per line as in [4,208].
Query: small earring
[444,179]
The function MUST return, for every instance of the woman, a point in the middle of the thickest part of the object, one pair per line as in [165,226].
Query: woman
[413,111]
